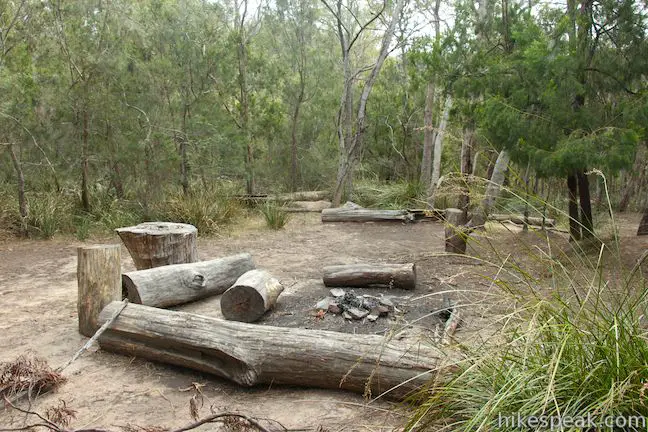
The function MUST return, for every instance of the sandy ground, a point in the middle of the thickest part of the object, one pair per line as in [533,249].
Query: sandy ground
[38,296]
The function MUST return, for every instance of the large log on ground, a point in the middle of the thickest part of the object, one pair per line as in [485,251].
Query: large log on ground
[155,244]
[251,354]
[307,206]
[341,214]
[366,275]
[181,283]
[253,293]
[520,219]
[99,283]
[287,197]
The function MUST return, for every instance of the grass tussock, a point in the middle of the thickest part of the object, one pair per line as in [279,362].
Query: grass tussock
[276,217]
[398,195]
[568,342]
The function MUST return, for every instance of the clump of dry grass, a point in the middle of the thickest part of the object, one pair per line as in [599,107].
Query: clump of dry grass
[27,373]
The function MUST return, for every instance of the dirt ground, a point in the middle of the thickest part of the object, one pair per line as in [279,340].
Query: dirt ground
[38,297]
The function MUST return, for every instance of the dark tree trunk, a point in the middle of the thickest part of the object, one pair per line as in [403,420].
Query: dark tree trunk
[294,148]
[466,170]
[587,221]
[184,160]
[643,225]
[85,194]
[22,199]
[574,223]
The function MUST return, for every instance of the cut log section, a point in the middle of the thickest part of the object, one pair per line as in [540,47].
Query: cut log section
[366,275]
[251,354]
[254,293]
[155,244]
[341,214]
[181,283]
[520,219]
[456,236]
[99,283]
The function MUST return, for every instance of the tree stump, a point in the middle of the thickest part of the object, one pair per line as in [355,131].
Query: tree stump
[155,244]
[254,293]
[643,224]
[181,283]
[366,275]
[99,283]
[456,236]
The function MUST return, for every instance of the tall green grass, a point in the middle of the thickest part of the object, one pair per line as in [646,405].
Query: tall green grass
[571,344]
[275,216]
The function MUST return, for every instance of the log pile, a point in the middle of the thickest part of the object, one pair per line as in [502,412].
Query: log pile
[295,202]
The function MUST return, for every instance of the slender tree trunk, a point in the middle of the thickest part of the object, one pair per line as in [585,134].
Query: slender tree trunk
[428,135]
[636,177]
[245,113]
[22,199]
[492,190]
[585,205]
[85,194]
[438,151]
[294,147]
[184,160]
[643,225]
[574,220]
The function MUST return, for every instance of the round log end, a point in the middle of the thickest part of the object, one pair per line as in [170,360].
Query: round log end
[132,294]
[242,303]
[159,228]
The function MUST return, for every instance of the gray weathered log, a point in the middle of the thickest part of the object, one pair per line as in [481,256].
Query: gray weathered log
[155,244]
[341,214]
[253,293]
[456,235]
[181,283]
[365,275]
[251,354]
[287,197]
[99,283]
[520,219]
[307,206]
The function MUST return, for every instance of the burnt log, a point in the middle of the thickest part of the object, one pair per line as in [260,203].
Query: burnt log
[250,354]
[366,275]
[181,283]
[253,293]
[341,214]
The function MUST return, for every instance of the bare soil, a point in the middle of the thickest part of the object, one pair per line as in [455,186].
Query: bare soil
[38,314]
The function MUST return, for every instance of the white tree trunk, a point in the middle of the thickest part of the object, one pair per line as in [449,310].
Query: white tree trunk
[428,135]
[438,150]
[492,190]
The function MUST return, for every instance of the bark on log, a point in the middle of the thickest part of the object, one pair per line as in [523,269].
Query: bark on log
[341,214]
[253,293]
[99,283]
[155,244]
[643,224]
[365,275]
[181,283]
[307,206]
[251,354]
[520,219]
[287,197]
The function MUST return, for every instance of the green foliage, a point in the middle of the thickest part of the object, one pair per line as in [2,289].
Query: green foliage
[275,216]
[49,214]
[399,195]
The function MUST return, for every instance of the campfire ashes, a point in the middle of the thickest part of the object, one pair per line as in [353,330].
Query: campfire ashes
[355,307]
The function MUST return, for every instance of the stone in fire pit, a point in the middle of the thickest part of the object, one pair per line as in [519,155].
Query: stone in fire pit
[356,307]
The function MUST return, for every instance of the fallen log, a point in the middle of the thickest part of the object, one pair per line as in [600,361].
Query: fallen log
[342,214]
[520,219]
[181,283]
[99,283]
[155,244]
[366,275]
[253,293]
[251,354]
[287,197]
[307,206]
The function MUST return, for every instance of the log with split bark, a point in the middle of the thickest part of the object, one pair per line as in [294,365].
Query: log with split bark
[251,296]
[250,354]
[520,219]
[366,275]
[155,244]
[181,283]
